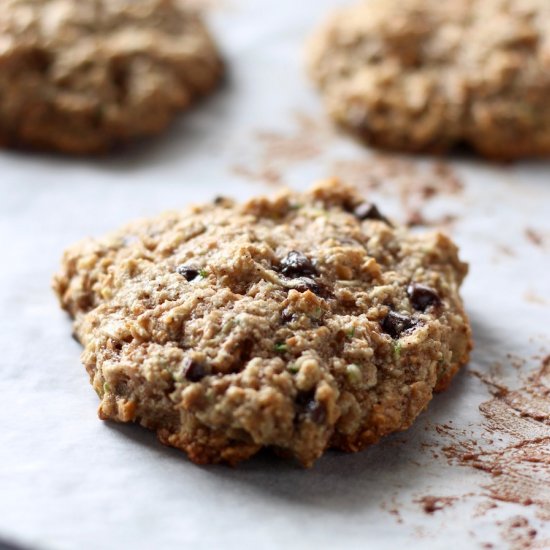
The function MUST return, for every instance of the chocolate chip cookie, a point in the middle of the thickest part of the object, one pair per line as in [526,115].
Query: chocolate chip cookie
[427,75]
[81,77]
[297,323]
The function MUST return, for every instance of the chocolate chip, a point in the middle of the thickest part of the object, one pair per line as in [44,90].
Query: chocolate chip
[193,371]
[308,406]
[317,412]
[395,324]
[422,296]
[245,350]
[287,316]
[304,398]
[305,283]
[219,199]
[190,272]
[296,264]
[369,211]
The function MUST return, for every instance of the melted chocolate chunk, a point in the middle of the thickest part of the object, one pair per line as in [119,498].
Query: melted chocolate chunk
[193,371]
[308,406]
[295,264]
[369,211]
[422,297]
[395,324]
[190,272]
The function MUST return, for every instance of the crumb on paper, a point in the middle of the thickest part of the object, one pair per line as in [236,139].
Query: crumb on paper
[534,298]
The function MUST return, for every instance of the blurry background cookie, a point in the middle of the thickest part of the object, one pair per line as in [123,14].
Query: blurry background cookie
[425,75]
[82,76]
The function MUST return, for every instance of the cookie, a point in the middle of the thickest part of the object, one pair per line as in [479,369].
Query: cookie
[427,75]
[83,77]
[297,323]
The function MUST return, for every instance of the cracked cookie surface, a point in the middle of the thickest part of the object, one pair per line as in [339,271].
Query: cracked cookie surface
[298,323]
[426,75]
[83,77]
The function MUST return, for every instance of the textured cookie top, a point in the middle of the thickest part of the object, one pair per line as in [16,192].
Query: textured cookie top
[427,74]
[81,76]
[298,322]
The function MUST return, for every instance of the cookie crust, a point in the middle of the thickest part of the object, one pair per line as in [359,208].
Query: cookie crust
[297,323]
[426,75]
[84,77]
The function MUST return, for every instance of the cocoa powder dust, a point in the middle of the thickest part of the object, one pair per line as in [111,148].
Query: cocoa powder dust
[517,459]
[512,450]
[416,185]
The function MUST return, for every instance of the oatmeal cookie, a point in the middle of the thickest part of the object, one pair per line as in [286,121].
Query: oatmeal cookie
[426,75]
[298,323]
[83,76]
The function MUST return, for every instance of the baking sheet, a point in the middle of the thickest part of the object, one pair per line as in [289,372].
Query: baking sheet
[68,480]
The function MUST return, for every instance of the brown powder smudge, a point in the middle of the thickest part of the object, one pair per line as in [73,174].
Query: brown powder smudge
[515,451]
[393,508]
[279,151]
[534,237]
[520,535]
[267,174]
[415,184]
[431,504]
[512,450]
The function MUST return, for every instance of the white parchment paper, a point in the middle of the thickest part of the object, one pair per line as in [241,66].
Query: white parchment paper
[68,480]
